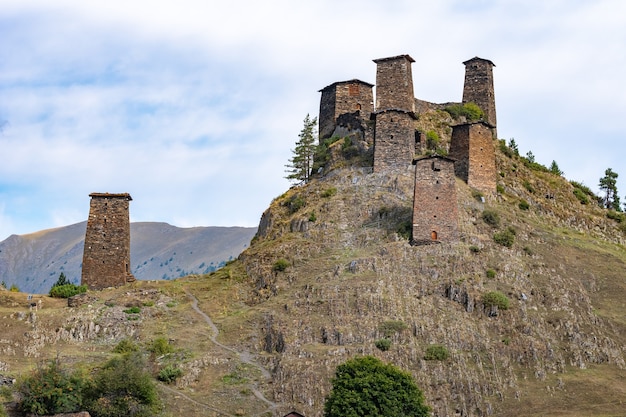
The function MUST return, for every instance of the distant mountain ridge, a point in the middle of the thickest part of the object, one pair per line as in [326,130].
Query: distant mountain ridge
[34,261]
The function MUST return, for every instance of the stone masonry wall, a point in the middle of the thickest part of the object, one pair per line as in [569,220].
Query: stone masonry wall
[394,83]
[435,213]
[473,149]
[478,87]
[342,98]
[106,257]
[394,140]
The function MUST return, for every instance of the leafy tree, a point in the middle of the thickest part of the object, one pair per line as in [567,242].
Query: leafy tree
[51,389]
[554,168]
[365,386]
[123,388]
[530,157]
[301,164]
[608,184]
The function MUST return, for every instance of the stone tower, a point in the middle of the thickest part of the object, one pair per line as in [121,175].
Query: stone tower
[395,134]
[344,97]
[435,213]
[106,257]
[394,83]
[472,146]
[478,88]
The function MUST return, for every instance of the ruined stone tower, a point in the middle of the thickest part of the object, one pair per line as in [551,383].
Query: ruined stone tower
[435,213]
[478,88]
[106,257]
[394,137]
[344,97]
[473,149]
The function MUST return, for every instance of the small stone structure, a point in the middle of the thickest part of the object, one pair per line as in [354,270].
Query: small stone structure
[106,257]
[435,213]
[473,149]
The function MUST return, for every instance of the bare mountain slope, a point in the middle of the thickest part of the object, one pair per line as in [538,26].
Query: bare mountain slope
[158,251]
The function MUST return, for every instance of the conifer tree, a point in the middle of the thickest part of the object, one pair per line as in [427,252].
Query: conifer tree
[554,168]
[300,165]
[608,184]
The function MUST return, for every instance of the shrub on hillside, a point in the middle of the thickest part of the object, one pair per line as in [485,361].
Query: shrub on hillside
[496,298]
[169,374]
[383,344]
[505,237]
[123,387]
[491,218]
[470,111]
[51,389]
[125,346]
[161,346]
[280,265]
[390,327]
[67,290]
[329,192]
[523,205]
[436,353]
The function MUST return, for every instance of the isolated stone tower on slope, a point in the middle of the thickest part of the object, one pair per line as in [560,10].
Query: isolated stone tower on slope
[342,98]
[394,138]
[478,88]
[106,257]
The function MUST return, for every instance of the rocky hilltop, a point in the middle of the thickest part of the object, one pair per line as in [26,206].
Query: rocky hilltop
[332,272]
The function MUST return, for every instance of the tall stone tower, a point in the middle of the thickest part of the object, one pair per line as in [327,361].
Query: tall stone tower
[395,135]
[435,212]
[478,88]
[106,257]
[472,146]
[344,97]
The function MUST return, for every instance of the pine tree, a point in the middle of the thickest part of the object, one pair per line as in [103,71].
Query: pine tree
[554,168]
[608,184]
[300,165]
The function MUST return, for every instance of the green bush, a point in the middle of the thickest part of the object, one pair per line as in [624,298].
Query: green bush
[280,265]
[500,188]
[432,140]
[125,346]
[14,288]
[496,298]
[391,327]
[615,215]
[505,237]
[365,386]
[529,187]
[474,249]
[161,346]
[436,353]
[491,217]
[581,196]
[133,310]
[295,203]
[123,387]
[67,290]
[490,273]
[470,111]
[3,412]
[51,390]
[169,374]
[405,229]
[312,217]
[523,205]
[329,192]
[383,344]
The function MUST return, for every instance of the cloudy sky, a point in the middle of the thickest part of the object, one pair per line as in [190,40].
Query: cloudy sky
[192,106]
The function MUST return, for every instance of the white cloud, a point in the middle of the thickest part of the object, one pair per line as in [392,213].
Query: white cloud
[192,107]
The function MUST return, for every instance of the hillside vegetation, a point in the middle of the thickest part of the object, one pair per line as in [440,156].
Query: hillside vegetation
[534,325]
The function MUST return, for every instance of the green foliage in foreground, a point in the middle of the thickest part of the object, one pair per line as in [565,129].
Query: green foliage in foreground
[470,111]
[365,386]
[123,387]
[51,389]
[63,288]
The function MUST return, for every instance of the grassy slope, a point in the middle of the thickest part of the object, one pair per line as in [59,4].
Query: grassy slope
[560,352]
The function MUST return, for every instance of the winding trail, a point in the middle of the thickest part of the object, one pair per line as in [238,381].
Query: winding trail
[244,357]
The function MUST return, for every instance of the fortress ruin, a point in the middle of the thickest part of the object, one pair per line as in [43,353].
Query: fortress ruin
[347,107]
[106,257]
